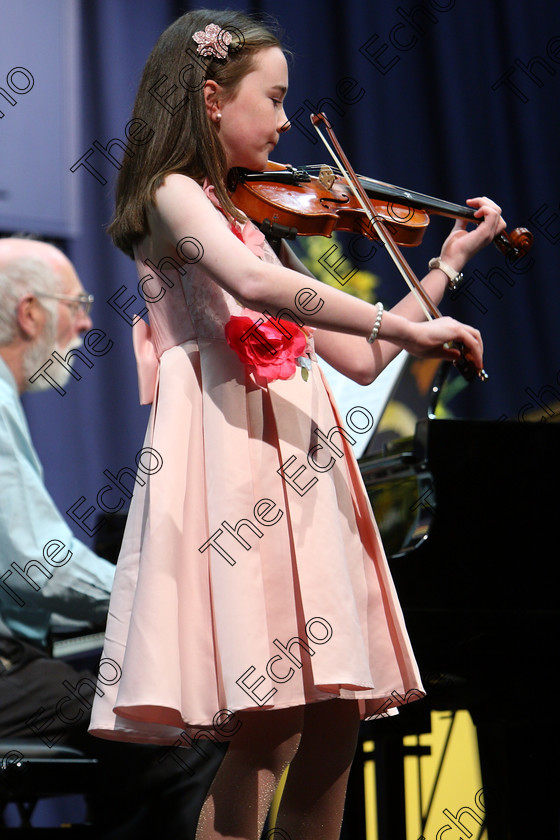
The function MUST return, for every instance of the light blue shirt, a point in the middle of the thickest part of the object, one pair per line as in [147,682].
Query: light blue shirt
[44,569]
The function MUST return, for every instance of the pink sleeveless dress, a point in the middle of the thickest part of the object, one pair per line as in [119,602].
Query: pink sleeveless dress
[252,575]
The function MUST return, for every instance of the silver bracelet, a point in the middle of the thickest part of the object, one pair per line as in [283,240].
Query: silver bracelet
[377,324]
[455,277]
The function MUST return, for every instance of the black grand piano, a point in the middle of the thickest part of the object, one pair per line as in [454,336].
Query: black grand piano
[470,518]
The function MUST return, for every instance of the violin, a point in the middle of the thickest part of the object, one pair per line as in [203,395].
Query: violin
[286,202]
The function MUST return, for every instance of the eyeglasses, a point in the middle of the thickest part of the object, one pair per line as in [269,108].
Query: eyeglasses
[74,302]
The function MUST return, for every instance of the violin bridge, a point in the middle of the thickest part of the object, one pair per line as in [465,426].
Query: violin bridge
[326,177]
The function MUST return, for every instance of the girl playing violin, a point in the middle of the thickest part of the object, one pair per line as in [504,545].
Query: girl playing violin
[252,600]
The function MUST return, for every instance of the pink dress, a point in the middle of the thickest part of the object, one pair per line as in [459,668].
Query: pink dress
[252,575]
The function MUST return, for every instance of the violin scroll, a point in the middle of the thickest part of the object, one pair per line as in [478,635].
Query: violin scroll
[514,245]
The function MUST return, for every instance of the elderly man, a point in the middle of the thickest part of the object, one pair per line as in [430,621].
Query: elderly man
[46,571]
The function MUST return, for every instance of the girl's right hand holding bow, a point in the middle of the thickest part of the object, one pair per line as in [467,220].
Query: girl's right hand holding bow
[431,339]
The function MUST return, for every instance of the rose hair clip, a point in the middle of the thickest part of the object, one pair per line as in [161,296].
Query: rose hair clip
[213,41]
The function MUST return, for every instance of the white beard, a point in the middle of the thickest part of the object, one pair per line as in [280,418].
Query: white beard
[39,353]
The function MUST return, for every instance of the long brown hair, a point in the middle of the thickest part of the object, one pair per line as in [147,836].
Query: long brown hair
[174,133]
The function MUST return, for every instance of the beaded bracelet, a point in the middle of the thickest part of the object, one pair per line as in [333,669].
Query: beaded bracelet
[377,324]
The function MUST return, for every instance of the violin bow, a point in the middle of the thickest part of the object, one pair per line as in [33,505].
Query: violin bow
[464,365]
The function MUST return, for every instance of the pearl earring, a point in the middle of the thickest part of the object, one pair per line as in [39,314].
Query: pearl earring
[218,117]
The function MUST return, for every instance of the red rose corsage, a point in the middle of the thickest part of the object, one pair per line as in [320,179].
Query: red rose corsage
[271,349]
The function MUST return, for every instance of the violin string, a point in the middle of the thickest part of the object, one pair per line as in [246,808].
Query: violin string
[408,198]
[378,228]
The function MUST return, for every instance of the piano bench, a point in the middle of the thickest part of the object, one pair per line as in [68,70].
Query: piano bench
[30,770]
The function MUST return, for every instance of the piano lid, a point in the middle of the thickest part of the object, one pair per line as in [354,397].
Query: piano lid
[408,390]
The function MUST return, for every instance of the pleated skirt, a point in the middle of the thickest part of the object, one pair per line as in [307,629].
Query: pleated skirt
[251,575]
